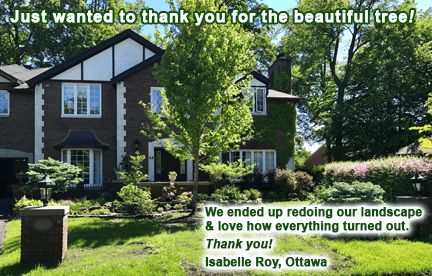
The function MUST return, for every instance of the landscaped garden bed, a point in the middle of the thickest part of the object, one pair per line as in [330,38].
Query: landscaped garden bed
[140,235]
[160,247]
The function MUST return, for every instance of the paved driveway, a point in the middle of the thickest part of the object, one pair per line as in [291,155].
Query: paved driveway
[5,211]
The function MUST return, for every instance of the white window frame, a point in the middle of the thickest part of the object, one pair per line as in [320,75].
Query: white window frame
[91,163]
[8,104]
[153,107]
[252,161]
[255,90]
[76,115]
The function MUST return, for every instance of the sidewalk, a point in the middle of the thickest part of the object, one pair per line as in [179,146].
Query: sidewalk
[5,210]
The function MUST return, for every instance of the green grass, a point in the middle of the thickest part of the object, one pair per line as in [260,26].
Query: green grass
[148,247]
[385,257]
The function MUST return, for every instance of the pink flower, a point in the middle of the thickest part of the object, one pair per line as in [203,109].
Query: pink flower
[172,183]
[171,194]
[190,193]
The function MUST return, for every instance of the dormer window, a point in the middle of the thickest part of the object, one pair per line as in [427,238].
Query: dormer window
[4,103]
[258,94]
[81,100]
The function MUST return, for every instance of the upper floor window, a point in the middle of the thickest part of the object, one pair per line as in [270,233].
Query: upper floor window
[4,103]
[259,96]
[156,98]
[81,100]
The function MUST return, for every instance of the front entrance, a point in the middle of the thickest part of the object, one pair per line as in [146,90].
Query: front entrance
[166,163]
[8,168]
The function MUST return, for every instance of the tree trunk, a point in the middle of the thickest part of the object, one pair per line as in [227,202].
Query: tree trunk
[195,186]
[339,123]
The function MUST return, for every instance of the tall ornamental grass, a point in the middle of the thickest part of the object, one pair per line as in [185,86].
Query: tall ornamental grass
[391,173]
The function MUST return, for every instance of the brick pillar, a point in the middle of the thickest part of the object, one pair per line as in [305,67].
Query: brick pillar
[44,234]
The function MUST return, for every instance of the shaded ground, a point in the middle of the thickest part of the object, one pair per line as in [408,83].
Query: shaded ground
[177,219]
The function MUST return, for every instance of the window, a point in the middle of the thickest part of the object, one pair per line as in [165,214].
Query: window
[259,96]
[81,100]
[158,162]
[264,160]
[182,166]
[259,100]
[4,103]
[90,160]
[156,98]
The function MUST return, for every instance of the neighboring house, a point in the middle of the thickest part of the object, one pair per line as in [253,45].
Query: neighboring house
[318,157]
[413,149]
[85,110]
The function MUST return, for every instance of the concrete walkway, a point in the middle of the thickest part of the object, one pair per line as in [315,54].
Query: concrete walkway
[6,209]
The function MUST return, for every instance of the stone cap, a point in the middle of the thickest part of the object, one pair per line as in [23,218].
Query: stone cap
[44,211]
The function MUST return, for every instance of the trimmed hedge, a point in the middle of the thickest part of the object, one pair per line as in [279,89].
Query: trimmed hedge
[392,174]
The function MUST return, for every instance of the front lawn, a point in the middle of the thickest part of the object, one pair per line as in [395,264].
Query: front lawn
[149,247]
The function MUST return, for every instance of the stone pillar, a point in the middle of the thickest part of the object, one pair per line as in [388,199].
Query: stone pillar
[44,234]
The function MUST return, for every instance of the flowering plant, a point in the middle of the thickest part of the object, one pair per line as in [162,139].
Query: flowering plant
[170,191]
[392,173]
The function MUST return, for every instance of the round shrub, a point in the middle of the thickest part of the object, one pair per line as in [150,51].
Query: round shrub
[252,194]
[285,182]
[136,200]
[228,192]
[304,182]
[317,173]
[357,192]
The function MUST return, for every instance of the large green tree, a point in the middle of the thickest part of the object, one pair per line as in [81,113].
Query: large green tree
[263,35]
[323,82]
[205,111]
[390,85]
[352,79]
[50,44]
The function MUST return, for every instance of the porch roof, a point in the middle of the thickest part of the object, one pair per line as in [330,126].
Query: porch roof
[81,139]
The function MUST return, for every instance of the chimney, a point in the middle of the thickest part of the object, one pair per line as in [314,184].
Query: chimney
[281,64]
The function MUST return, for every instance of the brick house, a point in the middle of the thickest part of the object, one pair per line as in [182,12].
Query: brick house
[85,110]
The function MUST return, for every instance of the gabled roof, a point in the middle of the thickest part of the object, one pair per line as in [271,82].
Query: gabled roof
[94,51]
[318,152]
[257,76]
[412,149]
[282,95]
[137,67]
[5,73]
[21,73]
